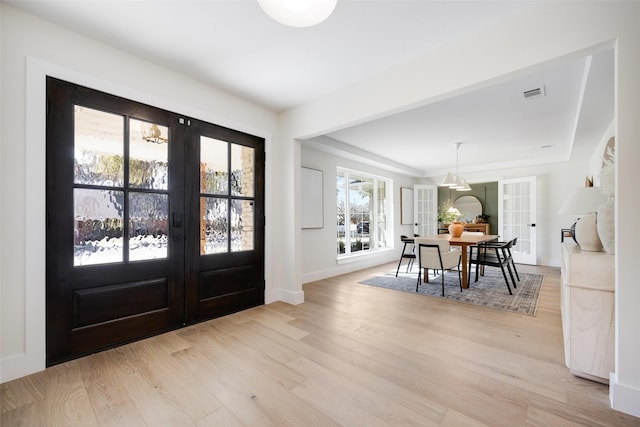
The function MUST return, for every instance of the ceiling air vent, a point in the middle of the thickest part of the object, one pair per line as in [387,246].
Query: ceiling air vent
[533,93]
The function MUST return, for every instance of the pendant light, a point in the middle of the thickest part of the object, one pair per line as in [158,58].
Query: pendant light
[298,13]
[456,182]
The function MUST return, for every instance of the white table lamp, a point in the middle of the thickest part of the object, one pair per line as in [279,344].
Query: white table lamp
[584,201]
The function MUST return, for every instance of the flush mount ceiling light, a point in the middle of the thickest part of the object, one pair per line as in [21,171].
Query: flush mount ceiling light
[298,13]
[455,181]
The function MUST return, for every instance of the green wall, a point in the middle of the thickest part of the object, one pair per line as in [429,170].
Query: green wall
[487,193]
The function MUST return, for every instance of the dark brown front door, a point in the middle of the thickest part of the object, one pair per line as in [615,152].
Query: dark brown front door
[154,220]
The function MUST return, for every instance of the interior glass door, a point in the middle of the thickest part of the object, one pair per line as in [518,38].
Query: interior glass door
[517,216]
[425,210]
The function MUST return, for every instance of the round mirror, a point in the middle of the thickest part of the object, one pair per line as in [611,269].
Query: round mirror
[469,207]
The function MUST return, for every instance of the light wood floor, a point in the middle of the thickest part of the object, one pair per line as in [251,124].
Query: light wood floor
[351,355]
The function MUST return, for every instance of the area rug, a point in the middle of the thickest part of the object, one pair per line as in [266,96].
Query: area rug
[489,291]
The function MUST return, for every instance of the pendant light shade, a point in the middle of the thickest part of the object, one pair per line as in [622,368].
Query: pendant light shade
[298,13]
[455,181]
[448,180]
[458,184]
[464,186]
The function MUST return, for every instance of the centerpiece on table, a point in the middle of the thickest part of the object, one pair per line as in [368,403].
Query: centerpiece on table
[450,215]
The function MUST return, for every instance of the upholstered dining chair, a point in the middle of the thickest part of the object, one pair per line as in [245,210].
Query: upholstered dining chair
[473,233]
[438,255]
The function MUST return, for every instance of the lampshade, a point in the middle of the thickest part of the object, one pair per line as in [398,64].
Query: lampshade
[298,13]
[448,180]
[583,200]
[458,184]
[465,185]
[454,181]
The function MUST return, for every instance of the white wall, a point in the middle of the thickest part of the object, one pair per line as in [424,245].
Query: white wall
[30,49]
[542,34]
[318,247]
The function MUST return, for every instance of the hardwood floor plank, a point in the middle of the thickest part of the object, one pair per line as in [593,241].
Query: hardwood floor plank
[161,391]
[347,401]
[354,364]
[109,397]
[66,401]
[538,416]
[21,392]
[31,415]
[455,419]
[235,396]
[435,384]
[267,381]
[350,355]
[220,417]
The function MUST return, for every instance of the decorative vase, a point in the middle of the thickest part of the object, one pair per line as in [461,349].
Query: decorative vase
[606,225]
[456,229]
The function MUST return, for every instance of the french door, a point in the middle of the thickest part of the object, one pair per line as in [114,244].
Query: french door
[425,210]
[517,216]
[154,220]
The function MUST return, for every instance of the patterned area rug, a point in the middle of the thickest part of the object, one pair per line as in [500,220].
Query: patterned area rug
[489,291]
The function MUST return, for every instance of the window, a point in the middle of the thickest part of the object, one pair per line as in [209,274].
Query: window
[364,203]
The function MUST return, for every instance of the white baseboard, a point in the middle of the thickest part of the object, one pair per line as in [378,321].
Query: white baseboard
[19,365]
[353,264]
[624,398]
[284,295]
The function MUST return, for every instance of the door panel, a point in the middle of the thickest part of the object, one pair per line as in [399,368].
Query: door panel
[425,208]
[517,214]
[226,221]
[118,266]
[115,266]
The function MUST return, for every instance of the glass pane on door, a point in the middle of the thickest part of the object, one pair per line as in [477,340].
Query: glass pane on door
[214,237]
[98,151]
[98,225]
[148,226]
[241,225]
[242,167]
[148,155]
[214,167]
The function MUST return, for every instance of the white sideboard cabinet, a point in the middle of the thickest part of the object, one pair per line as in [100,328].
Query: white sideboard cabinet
[587,304]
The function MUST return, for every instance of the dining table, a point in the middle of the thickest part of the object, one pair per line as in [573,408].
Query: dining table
[464,242]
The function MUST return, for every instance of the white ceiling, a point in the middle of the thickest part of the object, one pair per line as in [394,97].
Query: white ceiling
[496,125]
[234,46]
